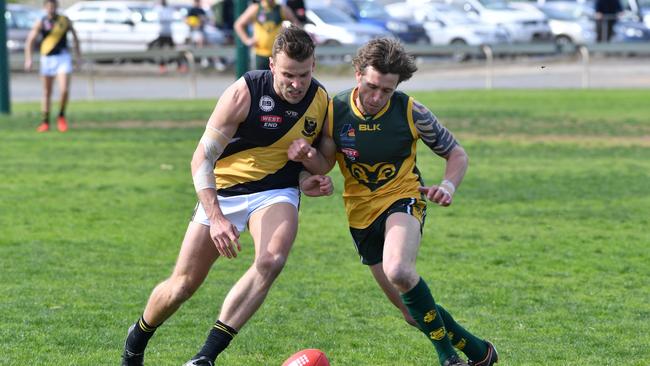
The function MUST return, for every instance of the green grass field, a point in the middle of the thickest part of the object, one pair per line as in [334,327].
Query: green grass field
[546,250]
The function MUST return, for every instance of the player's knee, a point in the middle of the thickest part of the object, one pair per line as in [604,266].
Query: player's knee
[270,265]
[401,276]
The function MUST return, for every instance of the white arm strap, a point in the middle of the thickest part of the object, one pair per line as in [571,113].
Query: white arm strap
[214,143]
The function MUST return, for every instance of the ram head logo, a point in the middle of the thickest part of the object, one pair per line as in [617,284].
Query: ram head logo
[373,176]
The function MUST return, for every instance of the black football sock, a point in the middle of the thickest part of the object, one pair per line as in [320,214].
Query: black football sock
[138,338]
[472,346]
[46,118]
[218,339]
[422,307]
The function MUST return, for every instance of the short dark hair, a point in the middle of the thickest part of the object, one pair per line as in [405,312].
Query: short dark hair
[386,55]
[295,43]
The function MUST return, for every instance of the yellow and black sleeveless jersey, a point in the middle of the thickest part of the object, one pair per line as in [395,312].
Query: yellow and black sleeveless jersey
[376,155]
[54,35]
[256,158]
[268,23]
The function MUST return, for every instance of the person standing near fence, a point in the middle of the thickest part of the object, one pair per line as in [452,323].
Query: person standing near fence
[607,12]
[267,17]
[55,61]
[165,19]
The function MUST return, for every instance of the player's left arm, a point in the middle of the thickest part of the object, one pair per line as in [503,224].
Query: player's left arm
[442,142]
[75,44]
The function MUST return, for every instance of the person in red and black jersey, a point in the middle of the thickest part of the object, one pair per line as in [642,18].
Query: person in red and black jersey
[55,62]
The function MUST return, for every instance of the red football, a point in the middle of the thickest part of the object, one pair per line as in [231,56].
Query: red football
[307,357]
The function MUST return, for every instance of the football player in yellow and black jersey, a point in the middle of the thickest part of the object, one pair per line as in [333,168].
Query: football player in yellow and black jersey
[246,174]
[266,16]
[55,61]
[372,132]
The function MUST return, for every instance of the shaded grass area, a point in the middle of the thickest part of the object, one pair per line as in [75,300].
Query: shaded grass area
[544,251]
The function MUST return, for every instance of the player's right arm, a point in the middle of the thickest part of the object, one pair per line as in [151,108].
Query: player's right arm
[231,110]
[29,44]
[246,18]
[320,161]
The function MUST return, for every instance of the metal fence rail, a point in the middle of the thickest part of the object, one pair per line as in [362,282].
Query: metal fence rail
[488,53]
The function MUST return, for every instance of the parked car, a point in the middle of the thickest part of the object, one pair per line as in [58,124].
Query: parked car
[331,26]
[20,19]
[373,12]
[447,25]
[571,22]
[125,26]
[523,21]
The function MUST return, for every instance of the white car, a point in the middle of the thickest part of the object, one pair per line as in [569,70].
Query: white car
[125,26]
[331,26]
[447,25]
[523,22]
[571,22]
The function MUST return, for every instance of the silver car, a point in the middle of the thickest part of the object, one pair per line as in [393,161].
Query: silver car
[20,19]
[331,26]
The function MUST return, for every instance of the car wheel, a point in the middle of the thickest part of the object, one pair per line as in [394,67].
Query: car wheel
[459,56]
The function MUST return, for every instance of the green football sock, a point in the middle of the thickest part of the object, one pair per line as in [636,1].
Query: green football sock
[422,307]
[472,346]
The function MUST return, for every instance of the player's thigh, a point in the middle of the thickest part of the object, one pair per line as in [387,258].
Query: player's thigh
[274,228]
[402,240]
[63,79]
[197,254]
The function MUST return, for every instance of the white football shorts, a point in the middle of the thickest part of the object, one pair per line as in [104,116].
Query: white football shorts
[56,64]
[238,209]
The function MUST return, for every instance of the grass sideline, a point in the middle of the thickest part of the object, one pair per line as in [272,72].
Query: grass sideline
[544,252]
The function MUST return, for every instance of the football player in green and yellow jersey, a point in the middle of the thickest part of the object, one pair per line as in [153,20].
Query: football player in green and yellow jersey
[372,132]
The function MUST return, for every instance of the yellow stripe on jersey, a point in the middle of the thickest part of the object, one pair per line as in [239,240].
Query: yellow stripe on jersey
[409,117]
[58,31]
[330,118]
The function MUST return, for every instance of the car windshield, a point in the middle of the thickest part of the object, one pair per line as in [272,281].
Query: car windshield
[23,19]
[448,14]
[567,12]
[332,16]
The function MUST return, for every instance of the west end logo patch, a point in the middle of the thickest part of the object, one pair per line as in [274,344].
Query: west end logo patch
[309,128]
[267,103]
[271,122]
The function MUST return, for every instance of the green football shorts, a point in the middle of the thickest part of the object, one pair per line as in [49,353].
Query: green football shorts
[370,241]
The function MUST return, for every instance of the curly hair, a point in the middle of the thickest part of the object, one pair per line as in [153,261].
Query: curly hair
[295,43]
[386,55]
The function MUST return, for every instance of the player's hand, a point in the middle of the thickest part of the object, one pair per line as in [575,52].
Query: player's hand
[437,194]
[251,42]
[300,150]
[225,237]
[28,64]
[317,185]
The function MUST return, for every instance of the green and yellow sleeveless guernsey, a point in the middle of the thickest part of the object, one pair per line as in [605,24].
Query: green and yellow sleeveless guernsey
[256,158]
[268,23]
[376,155]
